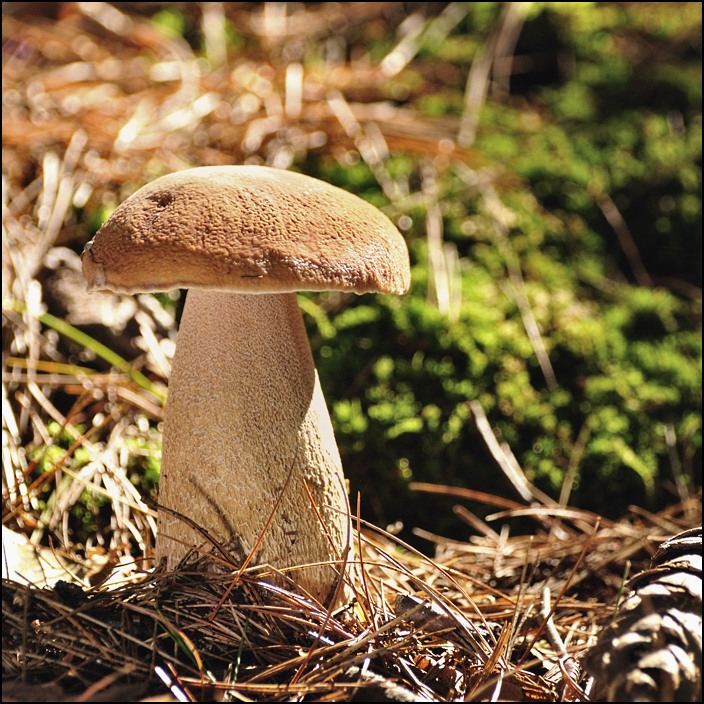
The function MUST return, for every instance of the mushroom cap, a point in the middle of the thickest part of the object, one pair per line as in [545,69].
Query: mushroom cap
[250,229]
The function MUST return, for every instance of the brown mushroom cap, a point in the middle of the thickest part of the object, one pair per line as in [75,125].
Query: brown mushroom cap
[249,229]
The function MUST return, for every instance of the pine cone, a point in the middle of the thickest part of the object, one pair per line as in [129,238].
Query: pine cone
[652,652]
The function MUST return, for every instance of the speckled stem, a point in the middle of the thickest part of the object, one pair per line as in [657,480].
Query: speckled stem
[246,423]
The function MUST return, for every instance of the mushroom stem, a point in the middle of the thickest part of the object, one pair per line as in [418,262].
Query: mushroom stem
[247,430]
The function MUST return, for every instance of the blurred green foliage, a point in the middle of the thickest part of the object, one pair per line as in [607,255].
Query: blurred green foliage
[611,113]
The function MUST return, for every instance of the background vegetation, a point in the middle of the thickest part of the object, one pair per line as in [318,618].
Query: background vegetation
[542,159]
[564,297]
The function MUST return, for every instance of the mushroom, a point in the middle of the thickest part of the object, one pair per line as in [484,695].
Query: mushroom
[249,453]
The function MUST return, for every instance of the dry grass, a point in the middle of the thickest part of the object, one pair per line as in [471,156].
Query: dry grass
[95,103]
[499,616]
